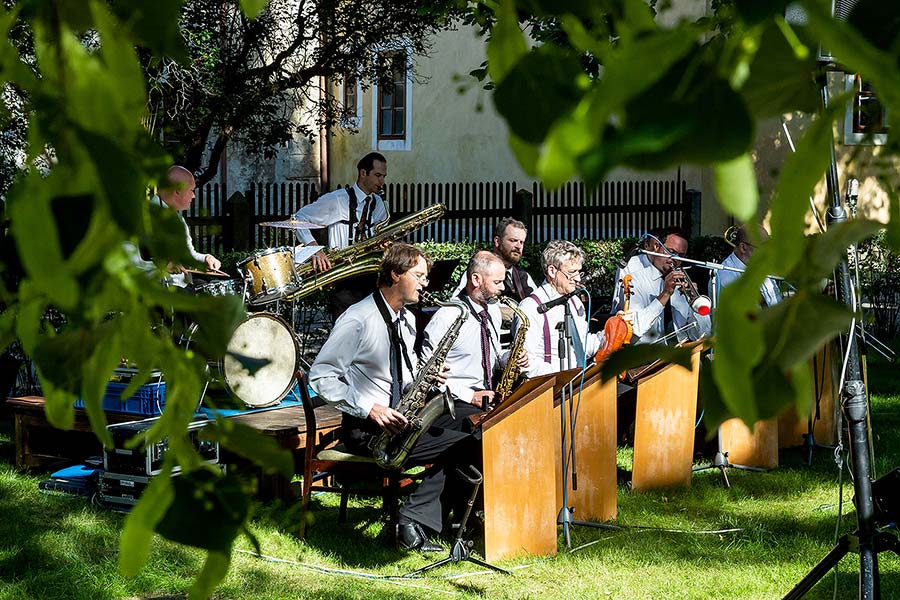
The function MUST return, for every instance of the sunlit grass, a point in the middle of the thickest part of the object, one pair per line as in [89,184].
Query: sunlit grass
[59,547]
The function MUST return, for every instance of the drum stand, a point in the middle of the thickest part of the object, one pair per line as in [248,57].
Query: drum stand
[460,550]
[720,461]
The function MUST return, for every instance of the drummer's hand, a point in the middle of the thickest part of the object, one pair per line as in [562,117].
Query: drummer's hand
[173,268]
[320,261]
[388,419]
[213,263]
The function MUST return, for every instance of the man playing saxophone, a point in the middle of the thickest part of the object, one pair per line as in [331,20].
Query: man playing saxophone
[476,353]
[350,215]
[362,368]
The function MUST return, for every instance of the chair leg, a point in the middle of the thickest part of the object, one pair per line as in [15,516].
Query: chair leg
[342,513]
[304,503]
[391,501]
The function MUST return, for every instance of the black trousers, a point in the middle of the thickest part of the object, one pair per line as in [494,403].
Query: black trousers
[447,444]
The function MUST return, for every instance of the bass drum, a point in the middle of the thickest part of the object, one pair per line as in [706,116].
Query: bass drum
[260,364]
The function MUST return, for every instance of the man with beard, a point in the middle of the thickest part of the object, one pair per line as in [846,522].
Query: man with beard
[363,368]
[471,365]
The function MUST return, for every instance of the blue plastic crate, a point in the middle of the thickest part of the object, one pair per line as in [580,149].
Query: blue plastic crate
[149,399]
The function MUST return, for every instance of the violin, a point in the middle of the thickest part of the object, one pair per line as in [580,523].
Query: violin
[617,329]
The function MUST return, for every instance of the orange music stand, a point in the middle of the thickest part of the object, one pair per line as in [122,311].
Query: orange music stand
[519,498]
[664,425]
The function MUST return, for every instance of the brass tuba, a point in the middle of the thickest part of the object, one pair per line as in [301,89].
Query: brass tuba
[365,255]
[421,404]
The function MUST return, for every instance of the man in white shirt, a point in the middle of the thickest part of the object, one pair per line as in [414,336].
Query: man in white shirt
[770,295]
[350,215]
[562,262]
[178,195]
[362,369]
[656,304]
[476,354]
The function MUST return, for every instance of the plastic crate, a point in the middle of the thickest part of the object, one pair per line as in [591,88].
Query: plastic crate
[149,399]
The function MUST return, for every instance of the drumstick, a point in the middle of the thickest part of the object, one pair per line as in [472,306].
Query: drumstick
[213,272]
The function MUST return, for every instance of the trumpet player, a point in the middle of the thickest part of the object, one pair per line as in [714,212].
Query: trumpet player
[658,303]
[476,354]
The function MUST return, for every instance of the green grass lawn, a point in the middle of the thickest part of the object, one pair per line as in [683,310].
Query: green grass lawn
[59,547]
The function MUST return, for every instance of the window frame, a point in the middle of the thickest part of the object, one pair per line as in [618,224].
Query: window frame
[393,143]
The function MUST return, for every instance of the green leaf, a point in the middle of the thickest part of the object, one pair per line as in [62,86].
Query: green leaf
[526,153]
[251,444]
[824,251]
[736,187]
[154,25]
[629,357]
[779,82]
[506,45]
[59,404]
[252,8]
[137,535]
[547,79]
[208,512]
[214,570]
[122,181]
[796,328]
[892,236]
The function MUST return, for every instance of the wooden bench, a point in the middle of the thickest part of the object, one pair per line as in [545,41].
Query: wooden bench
[39,444]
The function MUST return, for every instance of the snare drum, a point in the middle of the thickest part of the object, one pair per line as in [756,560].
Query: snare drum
[260,363]
[270,275]
[229,287]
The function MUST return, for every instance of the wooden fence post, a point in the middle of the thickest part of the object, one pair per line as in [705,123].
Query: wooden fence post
[522,205]
[238,219]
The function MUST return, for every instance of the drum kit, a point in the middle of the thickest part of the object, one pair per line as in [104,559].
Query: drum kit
[262,357]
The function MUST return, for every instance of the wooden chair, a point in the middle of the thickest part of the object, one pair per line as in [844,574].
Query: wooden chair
[329,467]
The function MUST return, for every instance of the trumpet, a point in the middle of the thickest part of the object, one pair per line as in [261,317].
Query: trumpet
[700,304]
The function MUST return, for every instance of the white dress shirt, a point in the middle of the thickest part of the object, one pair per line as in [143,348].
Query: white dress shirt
[534,338]
[352,371]
[176,279]
[647,312]
[462,281]
[333,210]
[769,290]
[466,375]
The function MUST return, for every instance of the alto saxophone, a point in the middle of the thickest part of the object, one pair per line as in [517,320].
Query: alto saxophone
[512,371]
[363,256]
[421,404]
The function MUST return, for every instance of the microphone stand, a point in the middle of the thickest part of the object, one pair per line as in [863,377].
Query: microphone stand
[565,516]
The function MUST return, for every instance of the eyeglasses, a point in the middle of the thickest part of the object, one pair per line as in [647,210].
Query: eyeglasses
[423,277]
[573,274]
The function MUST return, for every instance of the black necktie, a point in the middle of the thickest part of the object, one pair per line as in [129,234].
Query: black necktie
[668,321]
[362,227]
[397,351]
[486,365]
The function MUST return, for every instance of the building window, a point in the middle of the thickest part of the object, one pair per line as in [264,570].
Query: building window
[392,100]
[866,119]
[349,94]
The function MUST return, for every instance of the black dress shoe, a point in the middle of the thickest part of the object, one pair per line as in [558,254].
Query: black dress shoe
[411,536]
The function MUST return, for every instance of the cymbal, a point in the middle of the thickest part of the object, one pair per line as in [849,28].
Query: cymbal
[207,273]
[292,224]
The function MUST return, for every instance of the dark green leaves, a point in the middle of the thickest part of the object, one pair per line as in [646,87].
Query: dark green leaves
[540,88]
[208,512]
[629,357]
[248,442]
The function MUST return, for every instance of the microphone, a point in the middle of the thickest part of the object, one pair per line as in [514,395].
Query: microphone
[554,303]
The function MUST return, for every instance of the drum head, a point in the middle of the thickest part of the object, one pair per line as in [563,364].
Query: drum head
[268,355]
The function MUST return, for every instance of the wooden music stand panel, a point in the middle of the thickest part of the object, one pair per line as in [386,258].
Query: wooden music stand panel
[757,448]
[664,427]
[519,498]
[826,373]
[595,450]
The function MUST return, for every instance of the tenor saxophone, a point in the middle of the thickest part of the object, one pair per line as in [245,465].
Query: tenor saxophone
[363,256]
[512,371]
[422,403]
